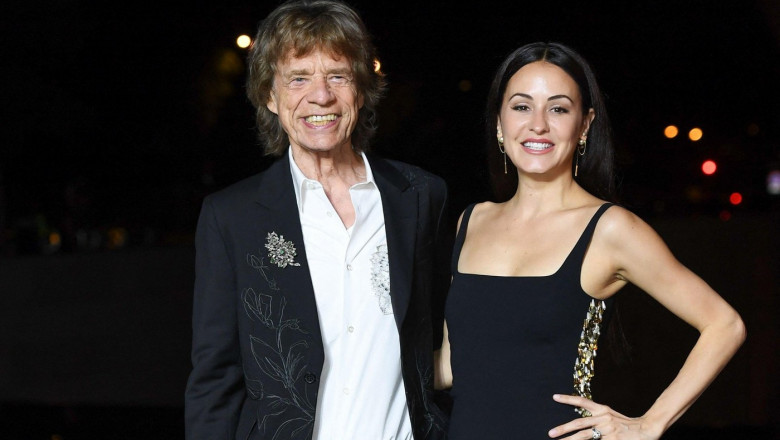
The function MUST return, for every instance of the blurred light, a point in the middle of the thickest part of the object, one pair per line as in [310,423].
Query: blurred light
[694,194]
[773,182]
[377,66]
[671,131]
[709,167]
[55,239]
[243,41]
[695,134]
[735,198]
[752,129]
[464,85]
[725,215]
[116,238]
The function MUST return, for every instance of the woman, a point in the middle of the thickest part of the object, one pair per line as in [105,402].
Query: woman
[529,271]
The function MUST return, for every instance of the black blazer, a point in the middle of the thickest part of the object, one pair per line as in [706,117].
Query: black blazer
[257,349]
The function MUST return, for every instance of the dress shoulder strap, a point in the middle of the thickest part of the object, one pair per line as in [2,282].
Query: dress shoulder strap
[578,252]
[460,236]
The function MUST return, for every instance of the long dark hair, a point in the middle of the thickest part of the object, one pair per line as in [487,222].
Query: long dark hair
[596,167]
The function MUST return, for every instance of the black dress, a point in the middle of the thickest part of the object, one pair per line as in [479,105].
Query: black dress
[516,341]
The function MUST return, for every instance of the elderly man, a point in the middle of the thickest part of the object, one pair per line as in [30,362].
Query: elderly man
[312,306]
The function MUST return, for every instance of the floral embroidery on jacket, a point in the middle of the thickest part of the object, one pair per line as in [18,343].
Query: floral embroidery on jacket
[278,348]
[258,264]
[280,362]
[380,279]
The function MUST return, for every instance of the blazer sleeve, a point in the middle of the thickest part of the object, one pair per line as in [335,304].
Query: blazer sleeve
[215,386]
[443,242]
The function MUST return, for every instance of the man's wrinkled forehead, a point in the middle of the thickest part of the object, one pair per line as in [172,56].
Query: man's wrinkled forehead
[301,49]
[315,56]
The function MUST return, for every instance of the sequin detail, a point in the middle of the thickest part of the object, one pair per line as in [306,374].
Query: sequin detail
[586,352]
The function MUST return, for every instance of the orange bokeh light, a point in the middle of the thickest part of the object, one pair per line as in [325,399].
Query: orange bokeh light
[695,134]
[671,131]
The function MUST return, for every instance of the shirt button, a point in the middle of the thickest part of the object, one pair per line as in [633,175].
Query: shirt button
[349,267]
[351,329]
[346,391]
[329,214]
[310,377]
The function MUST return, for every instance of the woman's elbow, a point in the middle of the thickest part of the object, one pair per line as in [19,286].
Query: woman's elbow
[739,329]
[732,330]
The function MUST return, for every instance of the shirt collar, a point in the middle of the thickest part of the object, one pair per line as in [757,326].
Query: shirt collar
[303,184]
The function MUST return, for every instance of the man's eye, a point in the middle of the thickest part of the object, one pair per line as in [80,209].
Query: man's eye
[296,82]
[339,79]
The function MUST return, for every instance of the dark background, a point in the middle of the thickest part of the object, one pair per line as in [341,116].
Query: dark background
[117,118]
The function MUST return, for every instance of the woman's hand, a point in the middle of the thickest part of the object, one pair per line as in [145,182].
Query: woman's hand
[442,370]
[604,423]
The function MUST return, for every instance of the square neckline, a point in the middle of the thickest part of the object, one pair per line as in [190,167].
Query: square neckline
[463,230]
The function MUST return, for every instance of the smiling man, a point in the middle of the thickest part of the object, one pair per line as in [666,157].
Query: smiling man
[312,305]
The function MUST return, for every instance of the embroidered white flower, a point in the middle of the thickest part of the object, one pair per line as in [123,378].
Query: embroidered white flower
[280,251]
[380,279]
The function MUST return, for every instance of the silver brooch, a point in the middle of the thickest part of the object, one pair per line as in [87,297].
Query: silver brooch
[280,251]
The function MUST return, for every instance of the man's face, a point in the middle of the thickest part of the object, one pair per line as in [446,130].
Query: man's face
[316,101]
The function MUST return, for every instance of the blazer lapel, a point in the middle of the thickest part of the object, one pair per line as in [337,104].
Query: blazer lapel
[399,206]
[279,214]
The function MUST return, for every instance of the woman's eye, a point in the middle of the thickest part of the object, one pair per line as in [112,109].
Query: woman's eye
[560,110]
[521,108]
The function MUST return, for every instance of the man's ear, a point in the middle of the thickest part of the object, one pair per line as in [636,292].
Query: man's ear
[271,104]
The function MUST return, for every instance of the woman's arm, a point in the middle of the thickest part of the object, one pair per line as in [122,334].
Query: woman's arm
[442,370]
[638,255]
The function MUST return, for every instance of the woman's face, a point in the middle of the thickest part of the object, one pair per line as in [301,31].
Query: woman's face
[541,119]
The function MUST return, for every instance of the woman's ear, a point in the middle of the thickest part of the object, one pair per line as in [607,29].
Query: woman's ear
[586,121]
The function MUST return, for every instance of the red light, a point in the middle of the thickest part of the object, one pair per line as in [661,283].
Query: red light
[709,167]
[735,198]
[725,215]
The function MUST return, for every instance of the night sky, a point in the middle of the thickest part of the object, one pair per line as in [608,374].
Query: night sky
[127,113]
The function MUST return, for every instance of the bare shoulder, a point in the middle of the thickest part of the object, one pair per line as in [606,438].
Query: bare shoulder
[484,208]
[632,246]
[480,209]
[618,225]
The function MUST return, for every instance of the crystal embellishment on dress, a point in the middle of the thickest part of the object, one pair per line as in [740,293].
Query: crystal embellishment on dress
[586,352]
[280,251]
[380,279]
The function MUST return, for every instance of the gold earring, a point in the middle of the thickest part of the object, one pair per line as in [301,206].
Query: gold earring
[581,147]
[502,150]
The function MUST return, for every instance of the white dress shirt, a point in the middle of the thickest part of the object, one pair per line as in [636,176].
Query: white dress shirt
[361,393]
